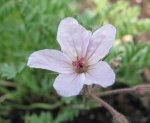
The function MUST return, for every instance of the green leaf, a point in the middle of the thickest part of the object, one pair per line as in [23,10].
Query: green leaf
[66,114]
[8,71]
[43,117]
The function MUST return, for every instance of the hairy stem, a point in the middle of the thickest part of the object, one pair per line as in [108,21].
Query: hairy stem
[117,91]
[102,102]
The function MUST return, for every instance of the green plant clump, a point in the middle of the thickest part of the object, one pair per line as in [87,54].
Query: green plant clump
[30,25]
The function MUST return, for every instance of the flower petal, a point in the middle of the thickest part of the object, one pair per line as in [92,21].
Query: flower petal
[69,84]
[50,60]
[101,74]
[100,43]
[73,38]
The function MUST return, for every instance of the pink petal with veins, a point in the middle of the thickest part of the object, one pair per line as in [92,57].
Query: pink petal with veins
[101,74]
[73,38]
[69,84]
[100,43]
[50,60]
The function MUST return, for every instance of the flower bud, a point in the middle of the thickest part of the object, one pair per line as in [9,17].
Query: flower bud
[119,118]
[142,89]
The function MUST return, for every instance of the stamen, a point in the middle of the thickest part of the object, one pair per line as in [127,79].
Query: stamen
[79,65]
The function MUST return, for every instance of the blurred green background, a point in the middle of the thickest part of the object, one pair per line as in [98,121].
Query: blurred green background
[27,95]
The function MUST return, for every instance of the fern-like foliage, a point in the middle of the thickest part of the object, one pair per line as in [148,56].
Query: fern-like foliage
[46,117]
[43,117]
[133,58]
[66,114]
[29,25]
[124,16]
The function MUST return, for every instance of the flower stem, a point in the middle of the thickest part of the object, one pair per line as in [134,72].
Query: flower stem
[102,102]
[117,91]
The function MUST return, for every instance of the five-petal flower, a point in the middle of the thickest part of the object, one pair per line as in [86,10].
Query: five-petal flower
[80,61]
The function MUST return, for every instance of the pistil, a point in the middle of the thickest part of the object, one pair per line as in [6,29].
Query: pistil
[79,65]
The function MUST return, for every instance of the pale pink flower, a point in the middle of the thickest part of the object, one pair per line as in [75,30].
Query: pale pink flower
[80,61]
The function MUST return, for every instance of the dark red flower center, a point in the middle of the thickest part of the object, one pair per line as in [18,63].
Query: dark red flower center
[79,65]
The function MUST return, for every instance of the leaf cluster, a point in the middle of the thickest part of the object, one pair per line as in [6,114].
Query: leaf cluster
[30,25]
